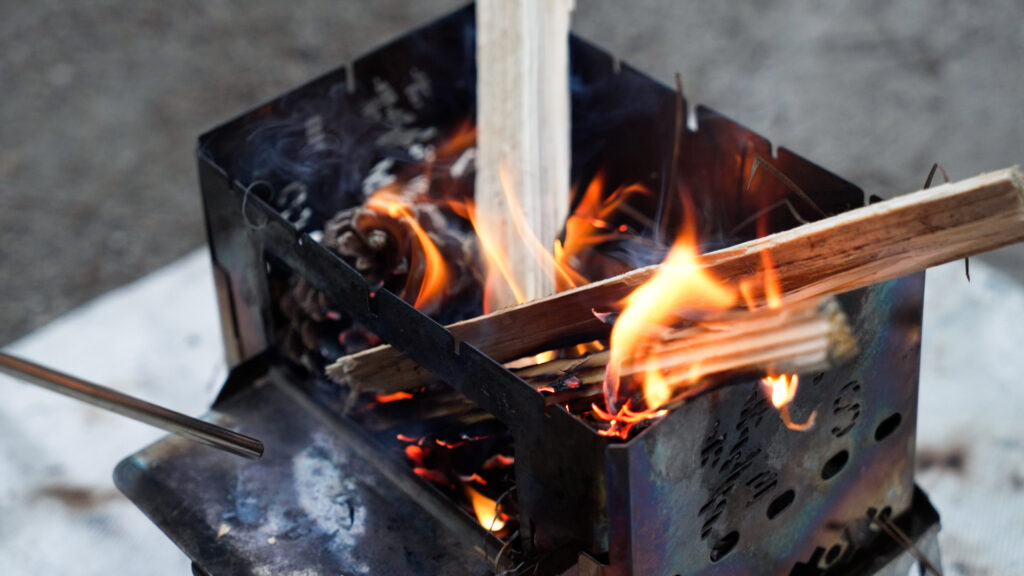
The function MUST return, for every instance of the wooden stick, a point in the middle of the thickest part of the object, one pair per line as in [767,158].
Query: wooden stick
[522,165]
[852,250]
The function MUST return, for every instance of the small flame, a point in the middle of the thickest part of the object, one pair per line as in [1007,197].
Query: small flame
[781,390]
[486,510]
[545,356]
[589,225]
[620,423]
[772,289]
[461,140]
[435,271]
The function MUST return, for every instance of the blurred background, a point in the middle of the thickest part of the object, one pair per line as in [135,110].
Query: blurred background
[102,103]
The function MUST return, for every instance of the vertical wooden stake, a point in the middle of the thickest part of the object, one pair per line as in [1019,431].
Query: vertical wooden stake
[523,133]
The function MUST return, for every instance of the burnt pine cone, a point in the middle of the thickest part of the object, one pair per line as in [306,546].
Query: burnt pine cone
[389,254]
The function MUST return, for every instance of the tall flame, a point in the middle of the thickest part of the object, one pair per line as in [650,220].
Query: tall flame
[500,275]
[680,287]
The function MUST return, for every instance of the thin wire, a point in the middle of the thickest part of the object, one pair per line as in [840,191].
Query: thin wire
[907,544]
[786,181]
[245,201]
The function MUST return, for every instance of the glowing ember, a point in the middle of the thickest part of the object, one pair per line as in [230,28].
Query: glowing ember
[415,454]
[431,475]
[486,510]
[386,398]
[498,461]
[474,477]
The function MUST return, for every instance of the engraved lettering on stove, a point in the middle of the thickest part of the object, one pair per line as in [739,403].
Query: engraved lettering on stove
[846,408]
[733,460]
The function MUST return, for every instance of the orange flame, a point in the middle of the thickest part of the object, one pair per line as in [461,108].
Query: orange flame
[772,289]
[680,286]
[435,271]
[463,138]
[781,390]
[590,225]
[486,510]
[499,272]
[620,423]
[680,289]
[500,275]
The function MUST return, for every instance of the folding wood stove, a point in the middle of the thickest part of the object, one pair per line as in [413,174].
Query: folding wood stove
[719,486]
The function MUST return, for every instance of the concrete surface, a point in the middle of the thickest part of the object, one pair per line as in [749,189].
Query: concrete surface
[102,102]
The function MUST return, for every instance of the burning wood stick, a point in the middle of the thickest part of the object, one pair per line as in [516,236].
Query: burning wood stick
[802,337]
[852,250]
[522,167]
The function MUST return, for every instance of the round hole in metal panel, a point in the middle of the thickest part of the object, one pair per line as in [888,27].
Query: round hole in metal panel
[780,503]
[724,546]
[835,464]
[885,513]
[887,427]
[833,554]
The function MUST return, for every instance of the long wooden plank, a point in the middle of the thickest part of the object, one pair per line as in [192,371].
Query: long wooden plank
[852,250]
[522,165]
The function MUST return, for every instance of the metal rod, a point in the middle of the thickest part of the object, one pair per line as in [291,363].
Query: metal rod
[102,397]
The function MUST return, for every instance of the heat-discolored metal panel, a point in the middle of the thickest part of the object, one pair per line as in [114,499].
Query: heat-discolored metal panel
[760,498]
[698,484]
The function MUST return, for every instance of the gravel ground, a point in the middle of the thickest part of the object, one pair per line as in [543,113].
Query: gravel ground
[102,102]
